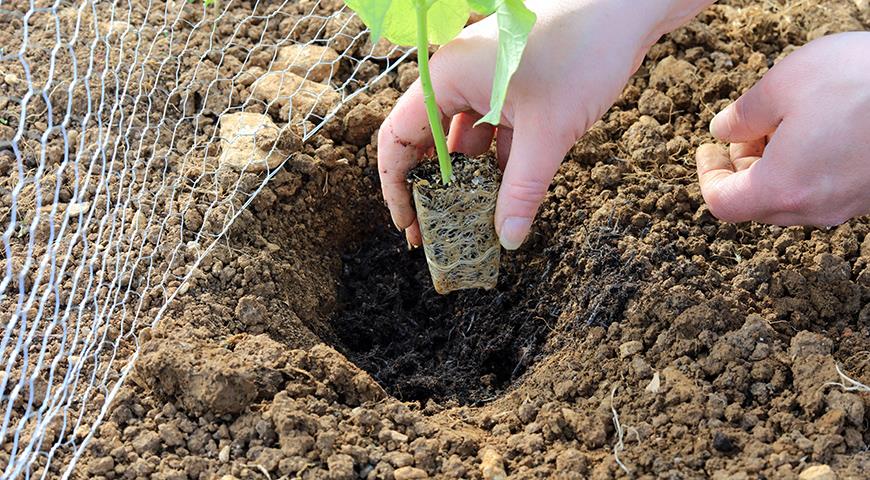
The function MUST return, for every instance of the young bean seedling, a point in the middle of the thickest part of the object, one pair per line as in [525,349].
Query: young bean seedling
[419,23]
[455,210]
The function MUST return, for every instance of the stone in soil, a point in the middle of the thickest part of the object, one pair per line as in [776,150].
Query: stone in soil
[241,135]
[312,62]
[293,97]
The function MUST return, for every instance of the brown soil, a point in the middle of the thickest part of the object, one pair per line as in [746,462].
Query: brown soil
[632,324]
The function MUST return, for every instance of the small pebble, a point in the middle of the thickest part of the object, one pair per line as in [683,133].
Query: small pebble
[628,349]
[655,384]
[74,209]
[409,473]
[818,472]
[722,443]
[492,464]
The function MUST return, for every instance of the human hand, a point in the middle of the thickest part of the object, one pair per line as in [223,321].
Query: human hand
[800,140]
[578,58]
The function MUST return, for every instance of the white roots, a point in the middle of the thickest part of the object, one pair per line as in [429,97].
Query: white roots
[848,384]
[620,444]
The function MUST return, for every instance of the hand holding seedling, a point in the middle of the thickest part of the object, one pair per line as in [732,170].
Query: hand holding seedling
[454,211]
[578,58]
[800,140]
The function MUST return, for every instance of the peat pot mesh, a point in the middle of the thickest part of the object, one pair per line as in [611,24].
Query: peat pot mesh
[132,134]
[459,237]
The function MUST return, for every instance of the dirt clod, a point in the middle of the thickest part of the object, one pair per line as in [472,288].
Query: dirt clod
[242,135]
[492,465]
[314,62]
[818,472]
[723,443]
[409,473]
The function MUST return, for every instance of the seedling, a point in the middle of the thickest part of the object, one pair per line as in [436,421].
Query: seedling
[419,23]
[456,213]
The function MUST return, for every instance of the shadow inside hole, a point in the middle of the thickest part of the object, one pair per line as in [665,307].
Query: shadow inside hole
[466,347]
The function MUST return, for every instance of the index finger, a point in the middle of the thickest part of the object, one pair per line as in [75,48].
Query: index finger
[405,137]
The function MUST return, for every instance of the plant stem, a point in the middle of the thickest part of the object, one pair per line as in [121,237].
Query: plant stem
[432,110]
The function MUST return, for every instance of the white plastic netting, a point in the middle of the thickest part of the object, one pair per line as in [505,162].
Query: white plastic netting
[130,132]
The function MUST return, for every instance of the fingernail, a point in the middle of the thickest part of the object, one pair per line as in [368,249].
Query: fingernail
[513,232]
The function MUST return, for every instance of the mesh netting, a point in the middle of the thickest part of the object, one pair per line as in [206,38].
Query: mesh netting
[132,133]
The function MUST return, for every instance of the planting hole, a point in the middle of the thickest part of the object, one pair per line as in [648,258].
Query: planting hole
[467,346]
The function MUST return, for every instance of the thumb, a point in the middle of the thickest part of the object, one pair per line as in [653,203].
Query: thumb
[754,115]
[534,158]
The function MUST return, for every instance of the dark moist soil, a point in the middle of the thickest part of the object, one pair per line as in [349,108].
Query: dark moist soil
[467,172]
[715,345]
[463,348]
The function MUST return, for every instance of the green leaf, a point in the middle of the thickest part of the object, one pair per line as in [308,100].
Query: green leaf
[396,21]
[515,21]
[446,19]
[400,26]
[373,13]
[483,7]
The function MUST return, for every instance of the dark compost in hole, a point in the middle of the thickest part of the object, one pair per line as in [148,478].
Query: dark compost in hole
[466,346]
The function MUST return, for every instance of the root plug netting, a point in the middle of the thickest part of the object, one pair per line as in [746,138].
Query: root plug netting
[132,135]
[456,220]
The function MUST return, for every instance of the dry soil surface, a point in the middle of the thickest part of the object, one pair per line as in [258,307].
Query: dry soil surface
[633,336]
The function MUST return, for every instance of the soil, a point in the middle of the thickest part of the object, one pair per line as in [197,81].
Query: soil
[632,336]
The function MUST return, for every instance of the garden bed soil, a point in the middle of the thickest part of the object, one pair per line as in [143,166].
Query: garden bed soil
[633,334]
